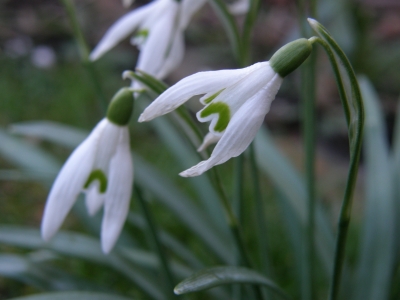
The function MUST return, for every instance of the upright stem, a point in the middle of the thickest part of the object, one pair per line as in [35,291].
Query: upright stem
[354,111]
[259,212]
[308,97]
[233,225]
[157,244]
[308,91]
[237,207]
[84,52]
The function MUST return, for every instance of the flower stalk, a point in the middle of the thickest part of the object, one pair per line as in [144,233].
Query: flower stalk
[84,53]
[169,278]
[354,111]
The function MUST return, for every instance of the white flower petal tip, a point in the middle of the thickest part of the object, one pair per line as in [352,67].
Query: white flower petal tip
[97,168]
[197,170]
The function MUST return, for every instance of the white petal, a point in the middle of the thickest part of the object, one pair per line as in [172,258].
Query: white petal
[94,199]
[188,8]
[240,7]
[241,129]
[121,29]
[69,183]
[154,51]
[208,140]
[174,57]
[236,94]
[196,84]
[106,146]
[118,195]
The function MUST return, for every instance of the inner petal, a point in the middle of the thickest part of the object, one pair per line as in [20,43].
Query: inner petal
[100,177]
[219,113]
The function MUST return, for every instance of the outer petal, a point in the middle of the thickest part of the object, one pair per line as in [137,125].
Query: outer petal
[116,206]
[154,51]
[188,8]
[69,183]
[196,84]
[122,29]
[238,93]
[94,199]
[241,129]
[106,145]
[174,57]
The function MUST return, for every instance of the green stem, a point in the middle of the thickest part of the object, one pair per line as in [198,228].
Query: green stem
[249,22]
[233,225]
[157,243]
[308,97]
[237,206]
[355,119]
[259,213]
[84,53]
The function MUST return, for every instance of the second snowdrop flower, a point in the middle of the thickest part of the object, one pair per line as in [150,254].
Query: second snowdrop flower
[159,28]
[102,168]
[236,101]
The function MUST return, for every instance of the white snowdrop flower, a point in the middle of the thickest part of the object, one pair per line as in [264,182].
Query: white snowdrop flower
[101,167]
[159,28]
[236,101]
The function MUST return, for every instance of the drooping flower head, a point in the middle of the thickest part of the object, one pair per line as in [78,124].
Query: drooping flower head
[101,167]
[159,28]
[236,101]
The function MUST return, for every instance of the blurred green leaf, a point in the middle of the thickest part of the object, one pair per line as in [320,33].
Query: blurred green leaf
[25,155]
[292,186]
[84,247]
[228,21]
[376,259]
[60,134]
[73,295]
[217,276]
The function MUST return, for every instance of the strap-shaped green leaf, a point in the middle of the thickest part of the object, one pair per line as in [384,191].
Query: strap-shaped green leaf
[377,249]
[212,277]
[230,25]
[352,102]
[73,295]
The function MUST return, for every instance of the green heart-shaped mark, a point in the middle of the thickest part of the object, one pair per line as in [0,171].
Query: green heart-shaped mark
[101,177]
[224,112]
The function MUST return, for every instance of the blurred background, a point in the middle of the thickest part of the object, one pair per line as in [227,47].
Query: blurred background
[43,78]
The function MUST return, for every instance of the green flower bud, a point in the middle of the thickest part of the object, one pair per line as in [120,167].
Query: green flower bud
[120,109]
[290,57]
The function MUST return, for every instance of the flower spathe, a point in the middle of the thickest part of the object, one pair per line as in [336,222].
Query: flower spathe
[159,28]
[236,101]
[101,167]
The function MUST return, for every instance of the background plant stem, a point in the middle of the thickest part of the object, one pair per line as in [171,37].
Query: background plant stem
[169,279]
[308,98]
[84,53]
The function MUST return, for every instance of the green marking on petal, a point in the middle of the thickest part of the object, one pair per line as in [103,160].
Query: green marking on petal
[101,177]
[224,114]
[212,97]
[144,33]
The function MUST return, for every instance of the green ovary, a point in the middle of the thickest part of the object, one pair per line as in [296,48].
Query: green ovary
[224,114]
[101,177]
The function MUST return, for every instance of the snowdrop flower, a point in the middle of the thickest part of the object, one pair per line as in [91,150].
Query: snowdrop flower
[159,28]
[101,167]
[236,101]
